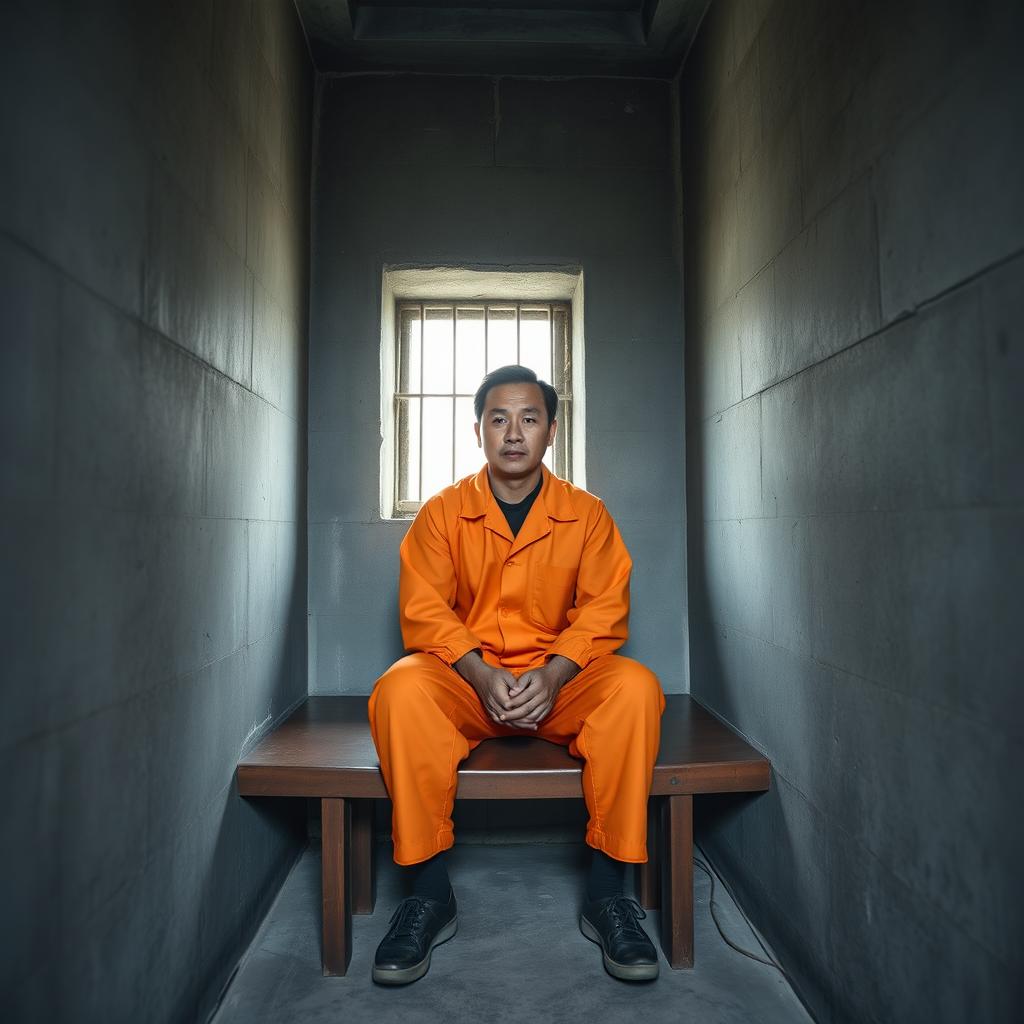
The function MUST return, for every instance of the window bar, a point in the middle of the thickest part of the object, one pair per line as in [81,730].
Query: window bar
[398,414]
[519,356]
[455,353]
[419,475]
[551,348]
[561,369]
[560,342]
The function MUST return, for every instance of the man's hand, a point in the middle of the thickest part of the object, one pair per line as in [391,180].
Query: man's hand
[493,685]
[535,692]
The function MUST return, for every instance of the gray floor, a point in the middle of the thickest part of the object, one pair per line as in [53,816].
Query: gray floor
[518,956]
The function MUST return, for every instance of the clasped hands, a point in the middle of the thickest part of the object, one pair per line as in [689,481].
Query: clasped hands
[524,702]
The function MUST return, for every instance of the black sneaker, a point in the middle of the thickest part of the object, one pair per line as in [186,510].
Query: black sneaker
[614,924]
[417,926]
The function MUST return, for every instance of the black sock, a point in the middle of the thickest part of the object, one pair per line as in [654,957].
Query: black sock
[430,879]
[607,877]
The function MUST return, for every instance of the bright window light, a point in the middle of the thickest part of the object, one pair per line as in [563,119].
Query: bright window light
[443,351]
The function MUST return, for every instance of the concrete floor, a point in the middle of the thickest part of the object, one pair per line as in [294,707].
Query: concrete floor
[518,956]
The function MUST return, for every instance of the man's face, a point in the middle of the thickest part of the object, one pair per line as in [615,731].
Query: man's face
[514,431]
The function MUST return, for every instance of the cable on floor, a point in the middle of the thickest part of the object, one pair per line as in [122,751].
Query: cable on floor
[770,961]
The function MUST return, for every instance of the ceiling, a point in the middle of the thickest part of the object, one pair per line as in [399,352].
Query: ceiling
[640,38]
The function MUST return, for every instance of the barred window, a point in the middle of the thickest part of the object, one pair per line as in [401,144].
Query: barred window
[443,350]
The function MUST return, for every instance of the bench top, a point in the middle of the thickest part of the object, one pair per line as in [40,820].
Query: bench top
[324,749]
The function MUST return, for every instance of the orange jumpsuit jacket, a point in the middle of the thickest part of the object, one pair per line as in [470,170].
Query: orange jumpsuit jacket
[560,587]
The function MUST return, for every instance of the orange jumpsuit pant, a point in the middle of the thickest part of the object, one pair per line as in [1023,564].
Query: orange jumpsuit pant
[425,719]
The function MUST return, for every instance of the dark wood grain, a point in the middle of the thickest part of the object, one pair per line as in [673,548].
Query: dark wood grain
[649,874]
[337,923]
[324,749]
[677,881]
[364,887]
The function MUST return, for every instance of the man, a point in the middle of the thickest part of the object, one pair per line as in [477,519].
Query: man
[514,596]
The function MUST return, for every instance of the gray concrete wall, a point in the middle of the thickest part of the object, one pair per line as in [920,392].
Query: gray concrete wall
[493,172]
[153,288]
[854,215]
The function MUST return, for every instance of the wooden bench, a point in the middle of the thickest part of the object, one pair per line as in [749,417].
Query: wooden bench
[324,750]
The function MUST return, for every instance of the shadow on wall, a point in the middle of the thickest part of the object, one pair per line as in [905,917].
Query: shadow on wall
[705,663]
[718,819]
[766,845]
[253,832]
[247,846]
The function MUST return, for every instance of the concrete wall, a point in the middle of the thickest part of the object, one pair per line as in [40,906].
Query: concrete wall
[854,215]
[153,284]
[480,171]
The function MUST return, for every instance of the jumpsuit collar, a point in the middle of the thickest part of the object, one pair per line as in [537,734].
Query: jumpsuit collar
[551,503]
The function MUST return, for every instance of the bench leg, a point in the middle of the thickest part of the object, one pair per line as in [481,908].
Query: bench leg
[677,880]
[364,881]
[337,922]
[650,873]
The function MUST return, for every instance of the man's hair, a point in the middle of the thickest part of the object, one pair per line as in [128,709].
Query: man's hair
[514,374]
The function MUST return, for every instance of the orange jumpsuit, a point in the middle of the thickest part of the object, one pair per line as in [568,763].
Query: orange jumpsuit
[560,587]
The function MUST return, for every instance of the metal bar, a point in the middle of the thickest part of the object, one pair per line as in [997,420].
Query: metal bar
[556,461]
[454,354]
[396,414]
[566,341]
[551,337]
[519,356]
[561,453]
[480,303]
[433,394]
[423,330]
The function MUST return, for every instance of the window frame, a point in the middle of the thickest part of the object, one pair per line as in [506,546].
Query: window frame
[562,455]
[469,283]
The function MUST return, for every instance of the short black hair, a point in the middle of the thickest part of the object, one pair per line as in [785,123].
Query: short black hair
[515,374]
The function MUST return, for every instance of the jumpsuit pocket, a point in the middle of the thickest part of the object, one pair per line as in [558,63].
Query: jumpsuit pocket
[554,593]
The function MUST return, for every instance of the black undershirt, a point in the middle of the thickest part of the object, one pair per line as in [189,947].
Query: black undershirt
[516,513]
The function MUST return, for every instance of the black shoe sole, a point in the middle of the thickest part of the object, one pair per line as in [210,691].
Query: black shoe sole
[624,972]
[406,975]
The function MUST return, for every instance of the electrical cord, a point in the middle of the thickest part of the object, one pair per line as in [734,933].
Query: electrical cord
[770,962]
